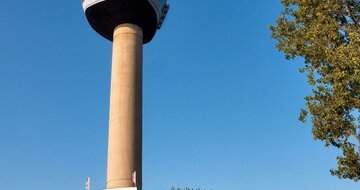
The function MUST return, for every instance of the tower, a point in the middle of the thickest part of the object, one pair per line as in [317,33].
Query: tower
[128,24]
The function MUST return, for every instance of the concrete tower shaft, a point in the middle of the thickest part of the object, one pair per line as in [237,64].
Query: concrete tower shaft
[125,124]
[129,24]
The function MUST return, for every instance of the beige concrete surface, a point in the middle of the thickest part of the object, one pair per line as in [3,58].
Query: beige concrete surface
[125,122]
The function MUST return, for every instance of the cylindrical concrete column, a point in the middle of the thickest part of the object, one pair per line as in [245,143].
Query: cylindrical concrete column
[125,122]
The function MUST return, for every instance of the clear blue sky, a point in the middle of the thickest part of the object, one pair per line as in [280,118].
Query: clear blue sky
[220,103]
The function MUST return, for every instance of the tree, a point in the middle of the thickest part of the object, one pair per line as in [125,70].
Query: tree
[326,34]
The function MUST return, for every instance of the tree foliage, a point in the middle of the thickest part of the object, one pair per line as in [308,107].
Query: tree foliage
[326,34]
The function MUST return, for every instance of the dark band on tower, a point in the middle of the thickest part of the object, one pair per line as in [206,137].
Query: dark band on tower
[106,15]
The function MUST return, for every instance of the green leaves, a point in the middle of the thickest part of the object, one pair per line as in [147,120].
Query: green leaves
[326,33]
[348,165]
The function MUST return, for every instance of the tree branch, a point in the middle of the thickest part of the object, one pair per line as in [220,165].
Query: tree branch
[351,14]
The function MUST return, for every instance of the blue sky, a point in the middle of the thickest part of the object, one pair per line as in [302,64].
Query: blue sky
[220,102]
